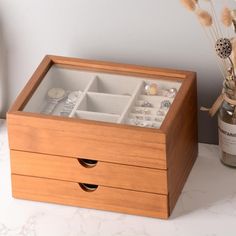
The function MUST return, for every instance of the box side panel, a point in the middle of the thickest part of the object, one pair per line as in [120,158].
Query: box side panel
[182,143]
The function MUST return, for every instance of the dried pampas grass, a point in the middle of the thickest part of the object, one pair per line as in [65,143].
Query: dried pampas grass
[189,4]
[204,17]
[226,17]
[210,23]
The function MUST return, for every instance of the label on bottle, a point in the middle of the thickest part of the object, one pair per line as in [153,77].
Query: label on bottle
[227,137]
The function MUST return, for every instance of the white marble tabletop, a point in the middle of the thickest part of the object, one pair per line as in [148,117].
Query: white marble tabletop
[207,206]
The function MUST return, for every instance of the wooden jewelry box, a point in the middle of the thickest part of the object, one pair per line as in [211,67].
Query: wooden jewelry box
[103,135]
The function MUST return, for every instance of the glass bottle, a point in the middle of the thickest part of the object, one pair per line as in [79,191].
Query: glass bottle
[227,130]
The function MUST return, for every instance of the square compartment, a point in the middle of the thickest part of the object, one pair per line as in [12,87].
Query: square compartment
[104,103]
[57,77]
[114,84]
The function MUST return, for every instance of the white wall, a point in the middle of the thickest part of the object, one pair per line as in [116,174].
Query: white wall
[146,32]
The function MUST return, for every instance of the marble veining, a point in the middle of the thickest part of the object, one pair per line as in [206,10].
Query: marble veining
[206,207]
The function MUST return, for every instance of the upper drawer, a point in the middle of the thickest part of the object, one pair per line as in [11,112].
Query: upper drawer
[99,173]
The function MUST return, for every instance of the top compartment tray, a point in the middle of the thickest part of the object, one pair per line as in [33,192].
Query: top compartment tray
[104,96]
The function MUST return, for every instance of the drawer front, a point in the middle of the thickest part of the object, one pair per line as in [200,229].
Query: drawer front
[75,138]
[104,198]
[87,171]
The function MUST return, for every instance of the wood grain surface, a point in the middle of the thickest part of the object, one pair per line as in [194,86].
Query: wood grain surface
[91,140]
[182,141]
[104,198]
[103,173]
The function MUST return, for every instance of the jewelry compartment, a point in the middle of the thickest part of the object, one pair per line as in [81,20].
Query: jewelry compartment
[148,111]
[104,103]
[114,84]
[66,80]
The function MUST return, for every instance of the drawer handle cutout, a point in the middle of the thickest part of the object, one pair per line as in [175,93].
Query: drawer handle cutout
[87,163]
[88,187]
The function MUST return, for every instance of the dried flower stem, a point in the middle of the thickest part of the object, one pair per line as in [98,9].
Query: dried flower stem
[217,30]
[217,25]
[220,63]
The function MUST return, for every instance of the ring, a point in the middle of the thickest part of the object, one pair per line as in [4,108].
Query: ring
[134,121]
[138,111]
[146,104]
[147,118]
[165,104]
[172,92]
[147,112]
[158,119]
[160,113]
[144,124]
[139,117]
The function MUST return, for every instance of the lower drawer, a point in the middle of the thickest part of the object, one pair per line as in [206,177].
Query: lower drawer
[100,197]
[101,173]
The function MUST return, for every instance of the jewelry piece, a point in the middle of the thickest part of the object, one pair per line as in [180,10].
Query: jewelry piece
[135,121]
[147,88]
[73,96]
[147,111]
[70,102]
[54,96]
[56,93]
[158,119]
[160,113]
[144,124]
[151,89]
[131,122]
[165,104]
[164,92]
[172,92]
[138,111]
[147,118]
[139,117]
[146,104]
